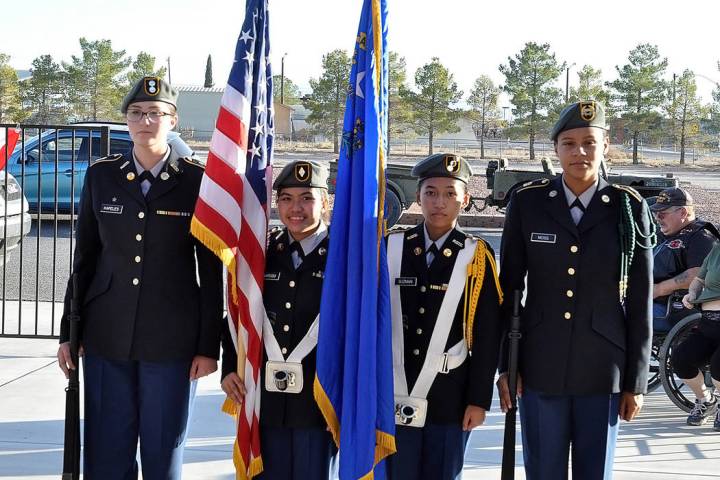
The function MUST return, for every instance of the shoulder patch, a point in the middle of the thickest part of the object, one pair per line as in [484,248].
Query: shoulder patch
[194,161]
[542,182]
[109,158]
[274,233]
[634,193]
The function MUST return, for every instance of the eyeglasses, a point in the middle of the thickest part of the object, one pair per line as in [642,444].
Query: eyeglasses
[664,213]
[153,116]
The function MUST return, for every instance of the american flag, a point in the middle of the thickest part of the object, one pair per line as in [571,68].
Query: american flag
[231,214]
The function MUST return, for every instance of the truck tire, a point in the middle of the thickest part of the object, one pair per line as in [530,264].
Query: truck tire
[393,208]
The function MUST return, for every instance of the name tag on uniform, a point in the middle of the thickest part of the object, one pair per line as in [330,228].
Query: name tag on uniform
[406,281]
[171,213]
[543,237]
[272,276]
[111,208]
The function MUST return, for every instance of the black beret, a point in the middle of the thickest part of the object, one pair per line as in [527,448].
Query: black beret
[443,165]
[579,115]
[302,173]
[150,89]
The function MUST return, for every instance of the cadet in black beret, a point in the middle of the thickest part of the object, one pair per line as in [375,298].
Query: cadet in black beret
[293,433]
[446,303]
[151,297]
[582,250]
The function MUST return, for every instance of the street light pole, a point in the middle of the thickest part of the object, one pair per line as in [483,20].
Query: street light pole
[567,83]
[282,79]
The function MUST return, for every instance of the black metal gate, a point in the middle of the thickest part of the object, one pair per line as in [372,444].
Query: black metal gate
[40,187]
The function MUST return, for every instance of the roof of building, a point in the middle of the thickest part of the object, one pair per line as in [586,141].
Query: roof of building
[198,88]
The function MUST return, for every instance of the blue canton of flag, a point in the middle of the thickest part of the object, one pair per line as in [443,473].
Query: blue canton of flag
[354,383]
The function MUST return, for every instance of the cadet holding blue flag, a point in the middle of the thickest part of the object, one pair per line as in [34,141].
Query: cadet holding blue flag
[584,248]
[295,443]
[446,301]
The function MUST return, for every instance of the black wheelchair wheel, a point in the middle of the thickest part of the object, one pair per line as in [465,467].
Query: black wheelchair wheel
[654,376]
[679,393]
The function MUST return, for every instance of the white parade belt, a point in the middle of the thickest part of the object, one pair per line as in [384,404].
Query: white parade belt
[411,408]
[285,375]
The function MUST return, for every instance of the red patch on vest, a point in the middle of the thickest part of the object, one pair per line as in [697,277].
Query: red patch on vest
[675,244]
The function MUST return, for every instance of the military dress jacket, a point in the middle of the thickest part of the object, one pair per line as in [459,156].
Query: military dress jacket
[577,336]
[292,301]
[686,249]
[472,382]
[148,289]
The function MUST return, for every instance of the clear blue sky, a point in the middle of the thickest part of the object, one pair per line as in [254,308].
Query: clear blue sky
[471,37]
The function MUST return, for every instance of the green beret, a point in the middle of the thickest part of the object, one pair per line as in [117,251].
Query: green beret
[443,165]
[150,89]
[579,115]
[302,173]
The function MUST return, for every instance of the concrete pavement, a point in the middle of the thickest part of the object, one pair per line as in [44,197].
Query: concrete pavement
[658,445]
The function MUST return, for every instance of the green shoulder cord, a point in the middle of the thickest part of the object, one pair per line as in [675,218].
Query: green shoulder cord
[631,236]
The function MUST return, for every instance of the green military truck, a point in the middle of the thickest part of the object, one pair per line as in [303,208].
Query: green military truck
[501,182]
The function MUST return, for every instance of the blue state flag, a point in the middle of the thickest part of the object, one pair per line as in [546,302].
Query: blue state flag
[354,383]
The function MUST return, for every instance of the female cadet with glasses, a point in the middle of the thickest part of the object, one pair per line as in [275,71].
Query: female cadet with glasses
[150,297]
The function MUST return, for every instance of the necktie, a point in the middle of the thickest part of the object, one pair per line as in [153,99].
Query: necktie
[297,248]
[146,175]
[577,203]
[434,251]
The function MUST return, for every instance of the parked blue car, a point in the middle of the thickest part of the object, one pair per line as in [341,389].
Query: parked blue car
[63,157]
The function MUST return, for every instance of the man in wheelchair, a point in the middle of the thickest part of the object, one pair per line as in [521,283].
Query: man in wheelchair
[682,246]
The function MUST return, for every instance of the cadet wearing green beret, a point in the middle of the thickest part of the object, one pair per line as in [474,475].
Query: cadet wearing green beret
[579,115]
[583,250]
[150,89]
[443,165]
[306,173]
[446,305]
[295,441]
[151,296]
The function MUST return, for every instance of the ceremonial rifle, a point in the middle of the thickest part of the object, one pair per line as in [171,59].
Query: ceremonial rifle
[71,454]
[514,335]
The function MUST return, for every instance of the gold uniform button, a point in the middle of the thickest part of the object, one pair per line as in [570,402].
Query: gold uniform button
[574,249]
[286,328]
[416,352]
[292,283]
[568,315]
[138,237]
[571,271]
[137,259]
[136,281]
[288,305]
[423,288]
[570,293]
[419,331]
[283,350]
[141,214]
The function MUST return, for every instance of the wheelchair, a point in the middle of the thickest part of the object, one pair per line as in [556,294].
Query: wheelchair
[682,322]
[674,313]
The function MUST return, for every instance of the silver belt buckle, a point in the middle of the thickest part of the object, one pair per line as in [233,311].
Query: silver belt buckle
[283,377]
[410,411]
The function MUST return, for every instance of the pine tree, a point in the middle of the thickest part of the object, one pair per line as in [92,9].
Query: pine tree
[208,73]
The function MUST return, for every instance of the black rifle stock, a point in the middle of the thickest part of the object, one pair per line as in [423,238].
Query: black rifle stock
[71,454]
[508,458]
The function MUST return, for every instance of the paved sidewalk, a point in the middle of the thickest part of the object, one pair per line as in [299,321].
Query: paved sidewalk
[658,445]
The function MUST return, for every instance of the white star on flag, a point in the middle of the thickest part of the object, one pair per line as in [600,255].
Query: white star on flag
[246,37]
[358,90]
